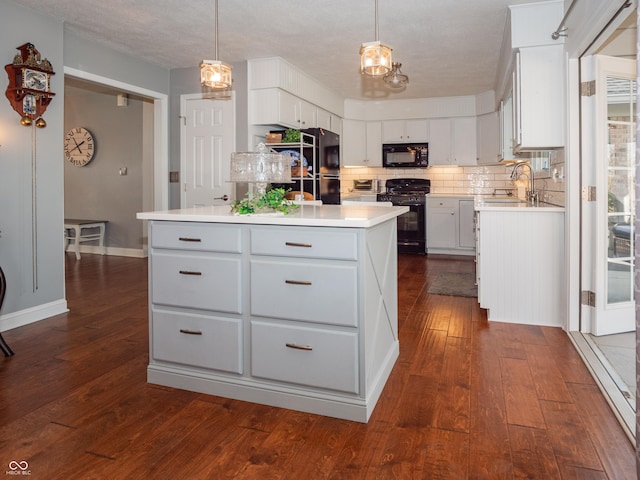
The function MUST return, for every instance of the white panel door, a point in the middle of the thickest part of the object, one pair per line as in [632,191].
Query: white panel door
[207,141]
[608,164]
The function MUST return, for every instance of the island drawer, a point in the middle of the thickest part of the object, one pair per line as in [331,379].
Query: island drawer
[194,280]
[323,292]
[309,242]
[305,355]
[197,340]
[196,236]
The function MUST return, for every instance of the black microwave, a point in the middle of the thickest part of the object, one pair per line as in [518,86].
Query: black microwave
[405,155]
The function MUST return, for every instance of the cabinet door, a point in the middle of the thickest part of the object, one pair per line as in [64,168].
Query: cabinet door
[306,117]
[323,119]
[417,130]
[506,128]
[405,130]
[336,125]
[442,214]
[354,143]
[374,144]
[539,87]
[289,107]
[464,141]
[440,142]
[466,234]
[393,131]
[488,134]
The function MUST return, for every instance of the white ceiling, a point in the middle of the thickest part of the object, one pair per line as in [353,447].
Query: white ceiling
[446,47]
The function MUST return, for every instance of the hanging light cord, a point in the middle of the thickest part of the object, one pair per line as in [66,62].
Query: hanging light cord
[215,32]
[377,33]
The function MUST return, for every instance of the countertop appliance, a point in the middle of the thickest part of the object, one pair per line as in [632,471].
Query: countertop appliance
[405,155]
[412,229]
[328,157]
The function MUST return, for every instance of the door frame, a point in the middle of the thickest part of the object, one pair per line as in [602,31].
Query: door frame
[160,132]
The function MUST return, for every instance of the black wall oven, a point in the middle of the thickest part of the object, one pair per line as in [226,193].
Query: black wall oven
[412,228]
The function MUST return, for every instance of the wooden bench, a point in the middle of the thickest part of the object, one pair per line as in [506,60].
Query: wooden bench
[78,228]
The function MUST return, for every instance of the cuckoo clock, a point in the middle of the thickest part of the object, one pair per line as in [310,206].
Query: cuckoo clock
[29,90]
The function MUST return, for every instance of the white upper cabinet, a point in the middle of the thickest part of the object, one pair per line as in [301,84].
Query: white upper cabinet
[374,144]
[538,97]
[405,131]
[354,141]
[272,106]
[488,138]
[323,119]
[336,125]
[452,141]
[506,128]
[464,141]
[361,144]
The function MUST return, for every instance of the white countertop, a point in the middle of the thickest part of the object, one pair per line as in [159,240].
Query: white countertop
[499,203]
[306,215]
[485,203]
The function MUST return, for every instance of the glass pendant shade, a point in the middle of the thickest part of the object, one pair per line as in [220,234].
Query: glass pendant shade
[215,74]
[395,78]
[375,59]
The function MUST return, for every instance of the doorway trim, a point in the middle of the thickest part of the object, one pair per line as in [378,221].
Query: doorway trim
[160,131]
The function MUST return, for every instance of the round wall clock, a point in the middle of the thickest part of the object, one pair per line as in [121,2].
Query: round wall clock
[79,146]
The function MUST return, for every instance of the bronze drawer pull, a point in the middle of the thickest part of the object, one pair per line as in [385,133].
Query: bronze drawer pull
[295,244]
[187,272]
[188,239]
[299,347]
[190,332]
[297,282]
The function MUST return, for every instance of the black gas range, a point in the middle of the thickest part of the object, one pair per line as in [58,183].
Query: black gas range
[412,229]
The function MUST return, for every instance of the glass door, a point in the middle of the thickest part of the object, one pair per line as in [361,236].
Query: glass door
[609,210]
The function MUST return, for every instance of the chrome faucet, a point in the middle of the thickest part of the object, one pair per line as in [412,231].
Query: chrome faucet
[532,195]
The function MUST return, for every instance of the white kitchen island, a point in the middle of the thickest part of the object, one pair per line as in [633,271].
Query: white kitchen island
[297,311]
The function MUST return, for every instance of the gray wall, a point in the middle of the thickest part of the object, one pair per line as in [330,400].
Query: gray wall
[18,144]
[97,190]
[24,302]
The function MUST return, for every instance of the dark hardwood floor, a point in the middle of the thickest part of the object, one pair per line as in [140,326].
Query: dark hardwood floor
[466,399]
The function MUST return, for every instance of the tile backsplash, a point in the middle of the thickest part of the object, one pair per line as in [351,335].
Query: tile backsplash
[471,180]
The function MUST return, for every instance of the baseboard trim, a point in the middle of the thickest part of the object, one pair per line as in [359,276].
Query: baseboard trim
[115,251]
[32,315]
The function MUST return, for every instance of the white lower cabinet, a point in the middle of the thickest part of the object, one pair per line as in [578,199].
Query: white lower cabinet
[520,265]
[301,317]
[450,227]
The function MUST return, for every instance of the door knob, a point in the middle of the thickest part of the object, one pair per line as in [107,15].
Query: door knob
[225,197]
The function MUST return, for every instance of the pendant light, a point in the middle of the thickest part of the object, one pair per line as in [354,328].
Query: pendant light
[395,78]
[215,74]
[375,58]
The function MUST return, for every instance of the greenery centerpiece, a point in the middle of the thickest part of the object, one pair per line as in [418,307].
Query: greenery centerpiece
[261,168]
[273,200]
